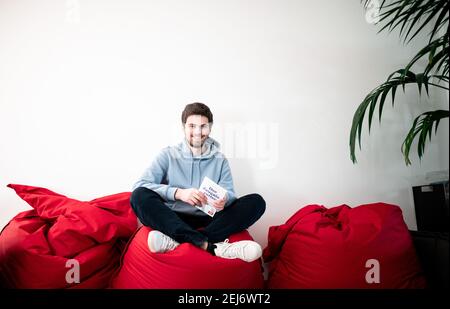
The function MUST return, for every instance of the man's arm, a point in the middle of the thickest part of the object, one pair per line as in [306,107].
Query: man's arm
[154,175]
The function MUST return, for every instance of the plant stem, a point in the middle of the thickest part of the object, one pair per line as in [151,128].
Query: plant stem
[439,86]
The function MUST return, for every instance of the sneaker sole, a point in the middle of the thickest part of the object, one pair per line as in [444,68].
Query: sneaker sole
[150,242]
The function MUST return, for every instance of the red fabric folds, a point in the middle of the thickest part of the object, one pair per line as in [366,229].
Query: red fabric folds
[186,267]
[343,247]
[36,244]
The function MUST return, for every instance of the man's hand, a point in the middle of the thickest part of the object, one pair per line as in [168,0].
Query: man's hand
[191,196]
[219,204]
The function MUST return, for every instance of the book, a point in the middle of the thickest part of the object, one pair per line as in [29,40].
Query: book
[213,192]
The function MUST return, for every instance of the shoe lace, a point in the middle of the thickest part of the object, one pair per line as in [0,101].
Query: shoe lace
[231,250]
[168,243]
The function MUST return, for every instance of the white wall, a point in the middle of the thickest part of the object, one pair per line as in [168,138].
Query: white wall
[91,90]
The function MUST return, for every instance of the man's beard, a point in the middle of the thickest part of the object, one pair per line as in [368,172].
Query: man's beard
[198,144]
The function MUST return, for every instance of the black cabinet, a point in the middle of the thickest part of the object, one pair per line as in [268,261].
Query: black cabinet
[431,206]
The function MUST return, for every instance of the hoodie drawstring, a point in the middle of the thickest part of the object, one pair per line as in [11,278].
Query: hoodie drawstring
[192,170]
[213,147]
[199,171]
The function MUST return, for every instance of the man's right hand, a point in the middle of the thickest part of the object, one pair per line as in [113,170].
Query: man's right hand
[191,196]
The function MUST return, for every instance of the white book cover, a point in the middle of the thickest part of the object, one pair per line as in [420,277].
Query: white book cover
[213,192]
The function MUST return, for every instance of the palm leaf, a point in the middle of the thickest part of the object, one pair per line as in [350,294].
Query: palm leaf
[432,12]
[440,21]
[441,45]
[422,126]
[398,78]
[379,95]
[411,17]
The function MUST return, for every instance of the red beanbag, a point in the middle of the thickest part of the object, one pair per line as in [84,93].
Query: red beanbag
[186,267]
[39,247]
[363,247]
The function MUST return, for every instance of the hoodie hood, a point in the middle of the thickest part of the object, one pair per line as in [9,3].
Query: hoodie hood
[212,149]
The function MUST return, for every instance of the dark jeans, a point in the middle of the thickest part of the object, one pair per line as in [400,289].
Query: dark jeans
[151,211]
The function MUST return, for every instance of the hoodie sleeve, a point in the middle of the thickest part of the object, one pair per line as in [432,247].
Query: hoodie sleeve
[154,176]
[226,181]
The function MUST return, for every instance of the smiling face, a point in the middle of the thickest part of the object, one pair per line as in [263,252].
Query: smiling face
[196,130]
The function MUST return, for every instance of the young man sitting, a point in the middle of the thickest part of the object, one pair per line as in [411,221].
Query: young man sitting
[164,198]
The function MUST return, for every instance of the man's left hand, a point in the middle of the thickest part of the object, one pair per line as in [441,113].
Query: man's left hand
[219,204]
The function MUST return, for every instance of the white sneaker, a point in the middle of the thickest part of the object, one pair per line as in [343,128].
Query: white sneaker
[160,243]
[245,250]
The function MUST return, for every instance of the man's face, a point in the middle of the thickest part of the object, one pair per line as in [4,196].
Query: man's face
[196,130]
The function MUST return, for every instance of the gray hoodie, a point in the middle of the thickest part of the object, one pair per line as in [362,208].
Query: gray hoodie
[175,167]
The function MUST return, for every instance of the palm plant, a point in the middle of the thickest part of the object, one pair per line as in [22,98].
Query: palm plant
[411,17]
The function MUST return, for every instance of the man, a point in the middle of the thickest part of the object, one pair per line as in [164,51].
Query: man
[164,198]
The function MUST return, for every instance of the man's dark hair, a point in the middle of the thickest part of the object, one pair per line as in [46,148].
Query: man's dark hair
[196,109]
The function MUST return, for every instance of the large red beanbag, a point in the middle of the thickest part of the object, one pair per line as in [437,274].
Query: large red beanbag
[186,267]
[363,247]
[45,246]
